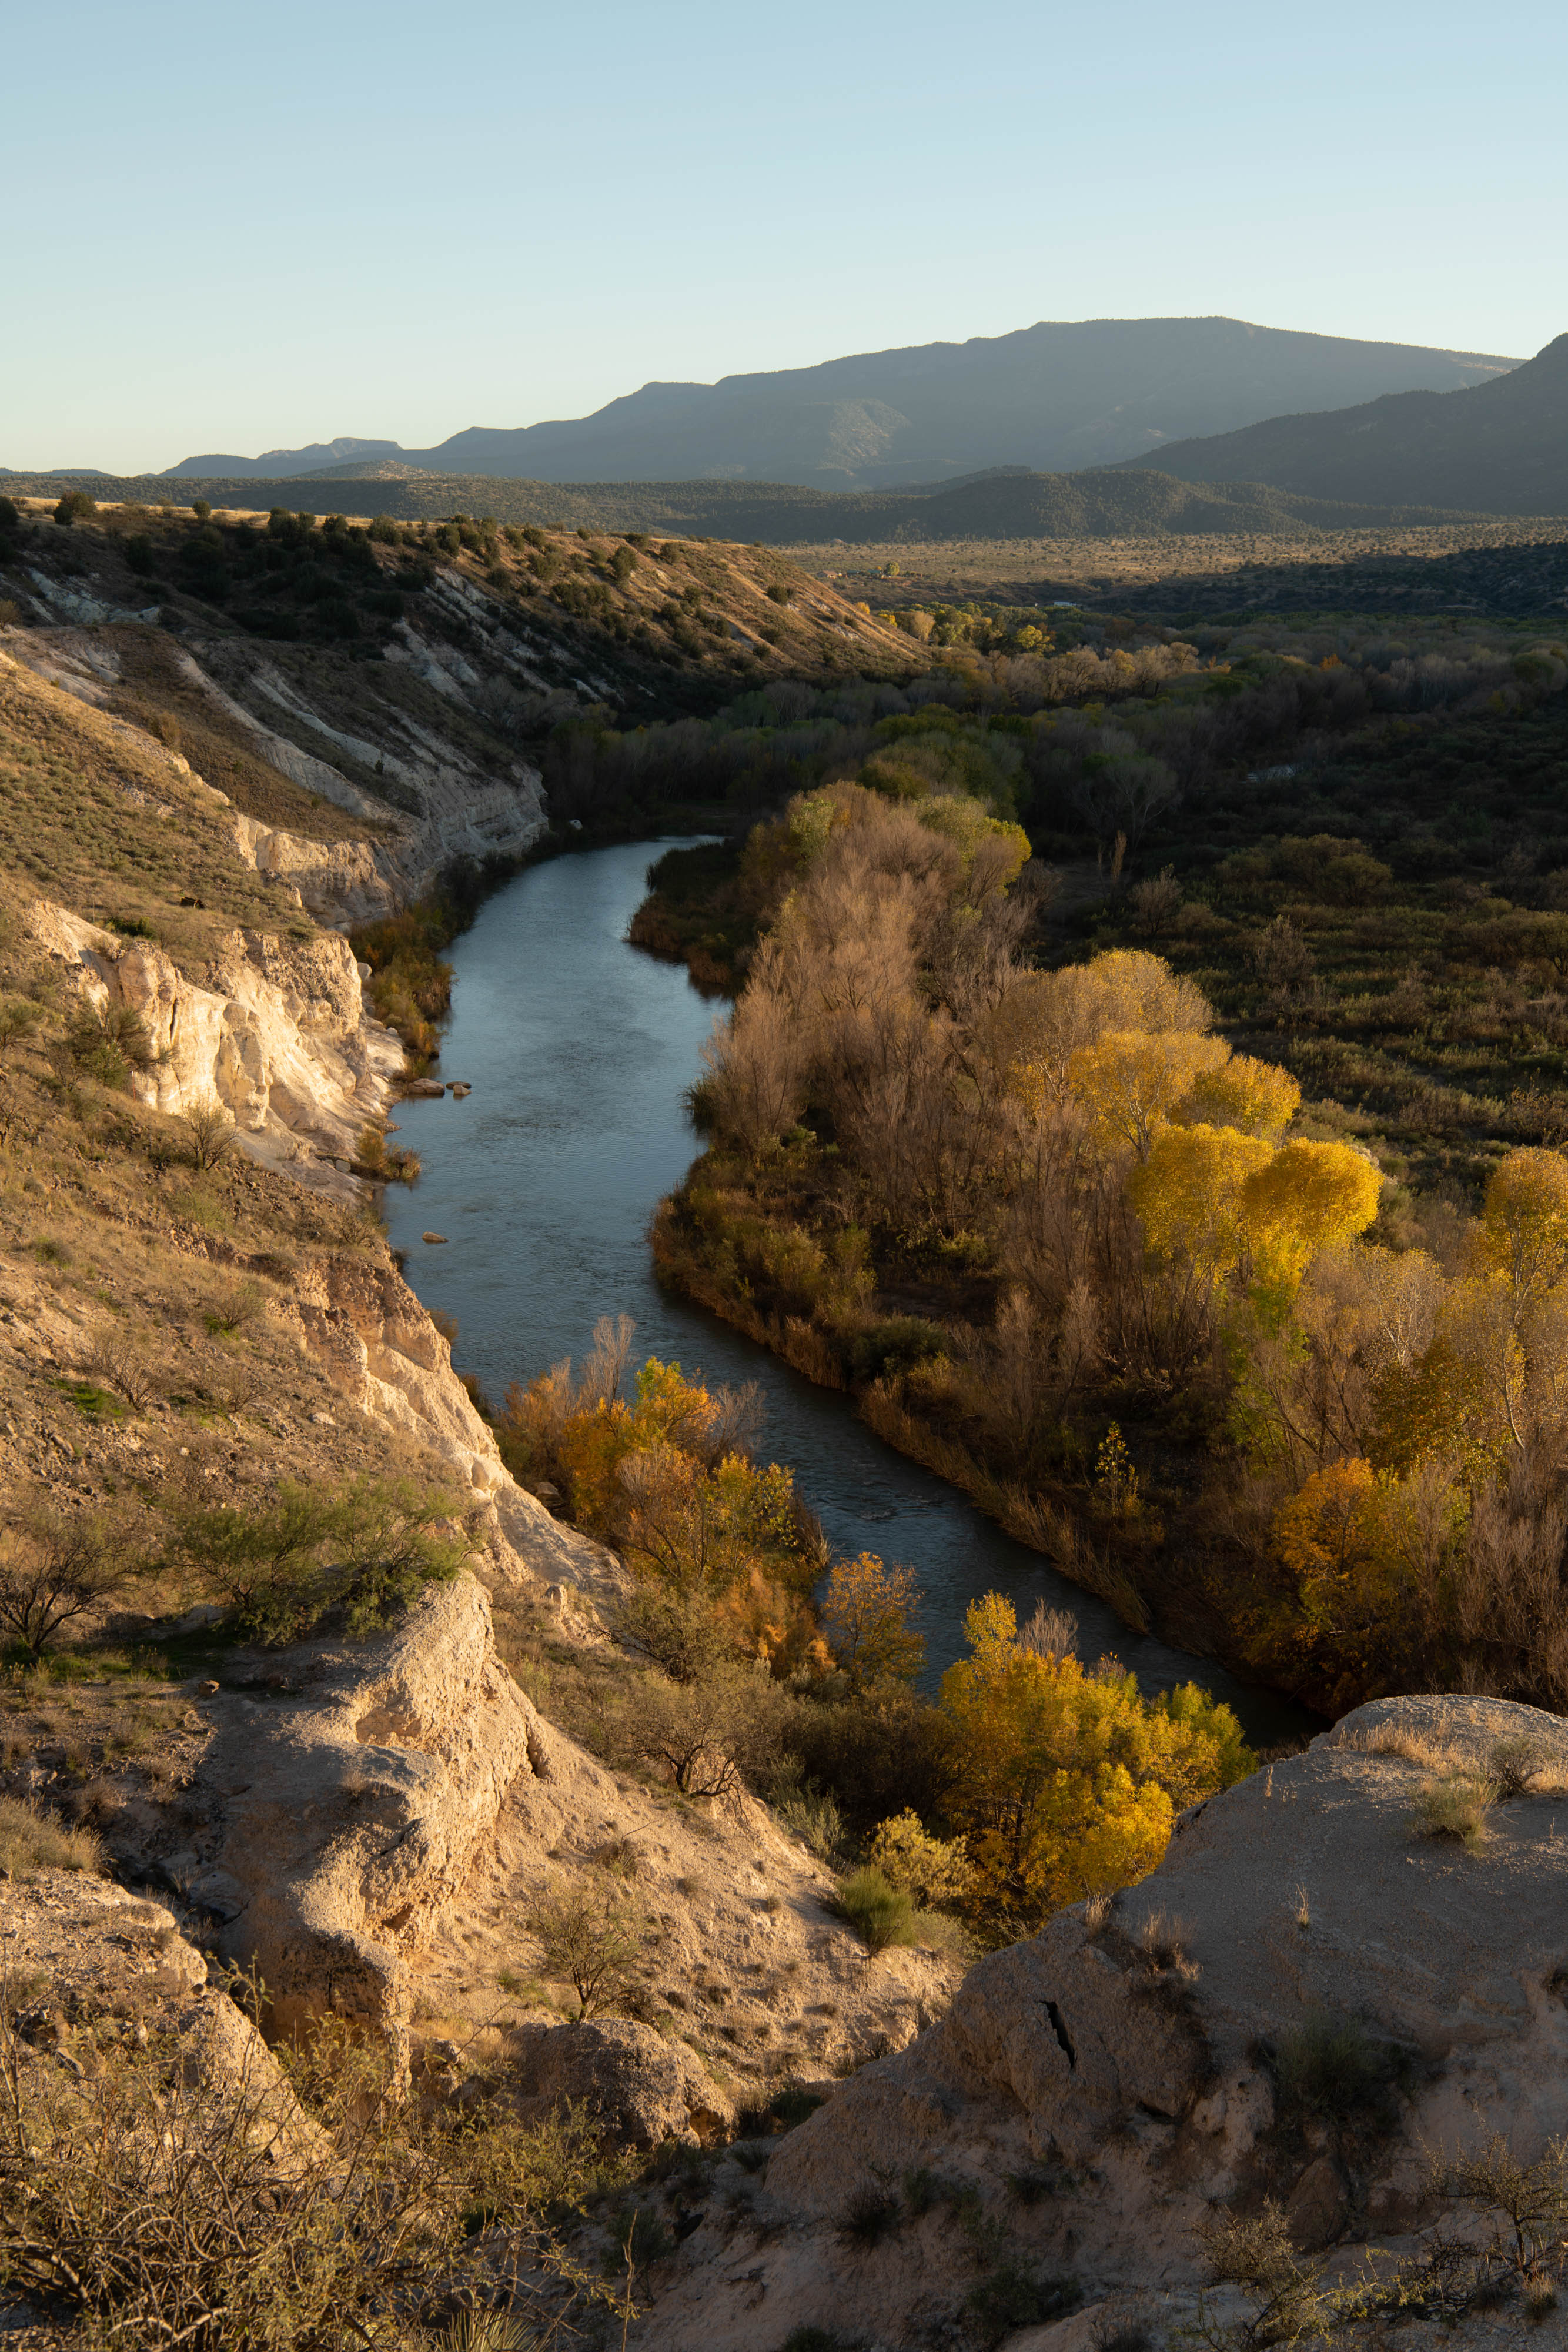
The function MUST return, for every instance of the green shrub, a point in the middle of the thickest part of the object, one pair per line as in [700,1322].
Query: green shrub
[1331,2070]
[1010,2299]
[360,1554]
[897,1346]
[76,506]
[869,2216]
[880,1913]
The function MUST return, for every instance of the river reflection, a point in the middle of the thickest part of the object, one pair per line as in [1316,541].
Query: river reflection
[543,1181]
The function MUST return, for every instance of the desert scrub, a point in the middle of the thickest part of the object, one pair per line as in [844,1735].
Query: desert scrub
[1455,1807]
[1331,2071]
[879,1912]
[174,2195]
[359,1554]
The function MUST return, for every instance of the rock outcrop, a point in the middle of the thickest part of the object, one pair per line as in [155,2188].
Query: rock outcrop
[278,1036]
[1123,2066]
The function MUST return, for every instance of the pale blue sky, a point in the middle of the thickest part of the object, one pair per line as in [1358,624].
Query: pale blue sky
[238,229]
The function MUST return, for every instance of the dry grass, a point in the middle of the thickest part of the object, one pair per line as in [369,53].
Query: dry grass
[31,1841]
[1394,1739]
[1455,1807]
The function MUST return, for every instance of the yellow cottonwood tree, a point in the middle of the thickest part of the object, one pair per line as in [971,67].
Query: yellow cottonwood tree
[1523,1231]
[1259,1097]
[1131,1081]
[1065,1781]
[866,1610]
[1306,1198]
[1188,1194]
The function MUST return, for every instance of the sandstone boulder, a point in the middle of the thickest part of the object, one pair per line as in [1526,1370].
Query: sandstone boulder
[642,2088]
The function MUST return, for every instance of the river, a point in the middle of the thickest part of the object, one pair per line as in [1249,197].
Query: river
[543,1181]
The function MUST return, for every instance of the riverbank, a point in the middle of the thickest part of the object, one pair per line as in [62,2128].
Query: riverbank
[543,1183]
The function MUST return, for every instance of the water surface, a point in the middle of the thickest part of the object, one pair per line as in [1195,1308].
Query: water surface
[579,1048]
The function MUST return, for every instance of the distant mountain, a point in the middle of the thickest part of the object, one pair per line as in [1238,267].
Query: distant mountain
[1500,447]
[1053,397]
[1005,502]
[275,462]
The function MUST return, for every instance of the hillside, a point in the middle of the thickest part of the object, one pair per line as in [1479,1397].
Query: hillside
[1056,395]
[1501,446]
[385,700]
[1009,502]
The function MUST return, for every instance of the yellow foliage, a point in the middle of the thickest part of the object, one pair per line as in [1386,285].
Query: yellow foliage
[1188,1194]
[1326,1534]
[1523,1232]
[935,1870]
[865,1612]
[1048,1016]
[1130,1081]
[1259,1097]
[1308,1197]
[1064,1782]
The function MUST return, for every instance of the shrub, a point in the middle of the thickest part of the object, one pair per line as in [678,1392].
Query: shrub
[202,509]
[1331,2070]
[868,2217]
[1455,1807]
[169,2197]
[32,1841]
[814,1817]
[210,1128]
[76,506]
[880,1913]
[589,1937]
[1010,2299]
[360,1553]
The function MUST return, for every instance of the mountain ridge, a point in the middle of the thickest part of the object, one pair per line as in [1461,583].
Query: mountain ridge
[1500,447]
[1056,396]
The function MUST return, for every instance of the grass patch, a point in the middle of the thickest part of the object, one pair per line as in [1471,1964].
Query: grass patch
[31,1841]
[1455,1807]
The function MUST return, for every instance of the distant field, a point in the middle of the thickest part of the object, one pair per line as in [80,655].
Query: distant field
[1510,565]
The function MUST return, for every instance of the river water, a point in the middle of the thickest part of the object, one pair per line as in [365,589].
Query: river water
[544,1178]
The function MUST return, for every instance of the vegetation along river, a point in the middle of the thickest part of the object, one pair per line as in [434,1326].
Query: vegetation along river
[579,1049]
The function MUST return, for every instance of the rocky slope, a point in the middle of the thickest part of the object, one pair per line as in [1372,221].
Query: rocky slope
[372,709]
[1095,2096]
[368,1823]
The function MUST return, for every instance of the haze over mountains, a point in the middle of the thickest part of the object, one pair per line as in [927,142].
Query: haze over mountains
[1055,397]
[1499,447]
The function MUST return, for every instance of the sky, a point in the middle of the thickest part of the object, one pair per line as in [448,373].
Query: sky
[236,229]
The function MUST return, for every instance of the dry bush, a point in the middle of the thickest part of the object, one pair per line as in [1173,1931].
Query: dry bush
[55,1569]
[121,1364]
[1394,1739]
[169,2199]
[210,1132]
[1165,1936]
[589,1937]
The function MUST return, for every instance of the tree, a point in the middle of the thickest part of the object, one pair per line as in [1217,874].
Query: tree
[54,1570]
[1064,1782]
[1523,1232]
[866,1612]
[1308,1197]
[1257,1098]
[210,1125]
[1188,1192]
[74,506]
[1131,1082]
